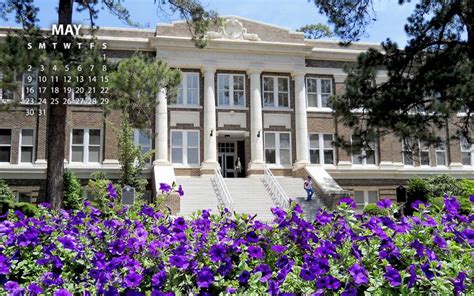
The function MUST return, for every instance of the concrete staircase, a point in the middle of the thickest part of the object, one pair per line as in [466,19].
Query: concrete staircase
[250,196]
[199,193]
[293,187]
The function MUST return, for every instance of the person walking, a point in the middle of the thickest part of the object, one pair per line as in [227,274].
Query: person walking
[308,186]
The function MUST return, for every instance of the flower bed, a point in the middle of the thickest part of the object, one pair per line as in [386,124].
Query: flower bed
[143,251]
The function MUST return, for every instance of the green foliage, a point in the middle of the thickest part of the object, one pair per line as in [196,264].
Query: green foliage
[372,209]
[440,185]
[97,188]
[72,192]
[417,188]
[5,192]
[467,187]
[316,31]
[136,84]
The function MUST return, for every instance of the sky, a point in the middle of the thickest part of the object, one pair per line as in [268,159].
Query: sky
[291,14]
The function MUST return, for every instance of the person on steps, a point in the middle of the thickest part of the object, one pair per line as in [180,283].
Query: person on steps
[308,186]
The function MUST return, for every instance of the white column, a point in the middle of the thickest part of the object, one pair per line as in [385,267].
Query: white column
[161,128]
[302,150]
[210,133]
[256,122]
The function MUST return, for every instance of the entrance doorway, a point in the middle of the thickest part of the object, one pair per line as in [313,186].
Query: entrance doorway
[231,158]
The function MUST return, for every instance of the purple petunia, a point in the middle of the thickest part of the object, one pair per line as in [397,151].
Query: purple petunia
[180,191]
[307,275]
[458,283]
[451,205]
[205,277]
[159,279]
[68,242]
[255,252]
[392,276]
[384,203]
[62,292]
[133,279]
[265,270]
[348,201]
[412,279]
[278,249]
[217,252]
[165,188]
[244,277]
[13,287]
[179,261]
[111,191]
[359,274]
[440,242]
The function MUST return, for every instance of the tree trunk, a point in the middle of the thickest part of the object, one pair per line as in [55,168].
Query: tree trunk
[57,124]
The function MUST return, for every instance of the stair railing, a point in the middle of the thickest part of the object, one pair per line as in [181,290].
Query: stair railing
[224,194]
[274,188]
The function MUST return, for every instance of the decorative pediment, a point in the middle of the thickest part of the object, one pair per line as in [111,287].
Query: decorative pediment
[232,29]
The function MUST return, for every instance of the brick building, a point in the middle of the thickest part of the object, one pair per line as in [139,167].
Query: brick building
[258,93]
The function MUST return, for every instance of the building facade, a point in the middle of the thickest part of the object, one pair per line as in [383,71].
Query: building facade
[256,96]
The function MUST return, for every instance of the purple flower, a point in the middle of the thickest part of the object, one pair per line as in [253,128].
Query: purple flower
[278,249]
[348,201]
[307,275]
[117,247]
[417,203]
[13,287]
[255,252]
[265,270]
[159,279]
[328,282]
[323,217]
[179,224]
[231,290]
[244,277]
[451,205]
[419,247]
[273,288]
[458,283]
[349,292]
[205,277]
[68,242]
[384,203]
[133,279]
[440,242]
[165,188]
[180,191]
[217,253]
[359,274]
[252,237]
[425,267]
[111,191]
[471,198]
[62,292]
[179,261]
[412,279]
[392,276]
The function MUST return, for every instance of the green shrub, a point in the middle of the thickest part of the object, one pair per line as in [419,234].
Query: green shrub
[372,209]
[467,187]
[26,208]
[417,189]
[441,185]
[73,199]
[5,191]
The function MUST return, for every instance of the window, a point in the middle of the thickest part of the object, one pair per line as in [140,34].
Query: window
[407,152]
[231,89]
[26,145]
[278,148]
[25,197]
[440,150]
[188,90]
[5,94]
[85,145]
[185,147]
[321,149]
[467,152]
[318,92]
[424,153]
[142,139]
[363,155]
[30,87]
[275,91]
[5,144]
[362,198]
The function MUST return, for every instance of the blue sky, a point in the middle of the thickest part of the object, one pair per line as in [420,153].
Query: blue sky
[292,14]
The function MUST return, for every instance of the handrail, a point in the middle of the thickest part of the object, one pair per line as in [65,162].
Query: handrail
[274,188]
[226,199]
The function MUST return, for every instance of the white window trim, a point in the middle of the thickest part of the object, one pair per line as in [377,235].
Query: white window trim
[364,159]
[8,145]
[318,93]
[277,150]
[136,141]
[366,197]
[275,92]
[470,151]
[20,145]
[231,91]
[184,148]
[184,83]
[85,147]
[322,148]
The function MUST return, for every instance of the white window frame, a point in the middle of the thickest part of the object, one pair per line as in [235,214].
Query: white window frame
[136,141]
[85,146]
[183,86]
[322,148]
[363,154]
[406,150]
[318,93]
[184,148]
[422,147]
[275,92]
[277,148]
[8,145]
[470,151]
[21,145]
[231,90]
[444,151]
[366,198]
